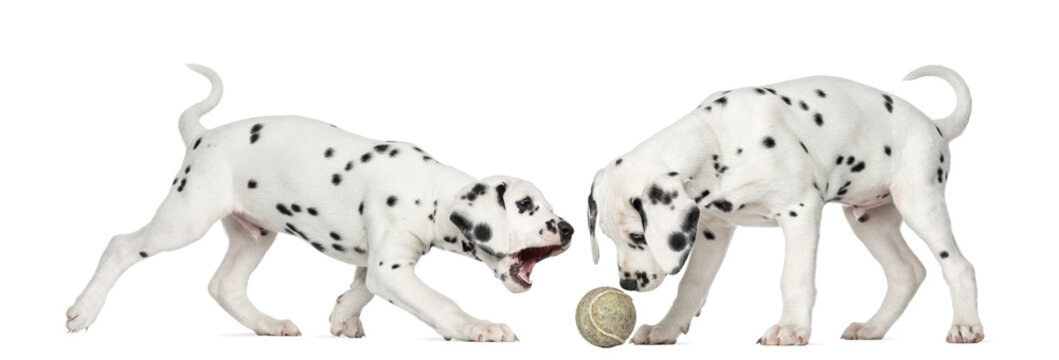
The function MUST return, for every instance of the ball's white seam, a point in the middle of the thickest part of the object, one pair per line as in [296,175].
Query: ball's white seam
[593,319]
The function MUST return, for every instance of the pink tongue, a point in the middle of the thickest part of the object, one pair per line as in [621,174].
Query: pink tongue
[525,270]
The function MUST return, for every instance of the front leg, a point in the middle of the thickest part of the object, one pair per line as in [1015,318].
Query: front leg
[345,318]
[391,276]
[801,231]
[711,244]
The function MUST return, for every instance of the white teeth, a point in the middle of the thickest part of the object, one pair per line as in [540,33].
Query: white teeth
[524,277]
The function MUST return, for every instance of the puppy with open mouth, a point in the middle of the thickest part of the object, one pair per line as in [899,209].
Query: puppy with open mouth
[379,205]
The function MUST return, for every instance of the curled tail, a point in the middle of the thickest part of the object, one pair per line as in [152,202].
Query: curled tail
[952,125]
[190,127]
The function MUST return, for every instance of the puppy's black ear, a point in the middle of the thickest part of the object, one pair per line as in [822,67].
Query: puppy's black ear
[592,212]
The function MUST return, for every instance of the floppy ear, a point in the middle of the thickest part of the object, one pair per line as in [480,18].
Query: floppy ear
[592,212]
[669,219]
[480,216]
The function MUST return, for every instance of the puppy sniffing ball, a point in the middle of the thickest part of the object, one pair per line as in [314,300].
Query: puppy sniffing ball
[606,317]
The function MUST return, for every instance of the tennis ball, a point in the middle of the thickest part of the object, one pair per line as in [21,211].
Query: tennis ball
[606,316]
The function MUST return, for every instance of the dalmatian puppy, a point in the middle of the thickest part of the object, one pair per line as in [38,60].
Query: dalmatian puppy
[773,156]
[374,204]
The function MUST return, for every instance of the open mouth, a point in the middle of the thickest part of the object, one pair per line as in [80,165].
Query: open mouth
[525,259]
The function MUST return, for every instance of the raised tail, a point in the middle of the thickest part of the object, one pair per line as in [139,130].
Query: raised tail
[952,125]
[190,127]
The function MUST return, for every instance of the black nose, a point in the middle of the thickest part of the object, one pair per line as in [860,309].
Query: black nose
[566,231]
[628,284]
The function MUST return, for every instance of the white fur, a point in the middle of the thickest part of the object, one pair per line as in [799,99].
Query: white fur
[377,205]
[745,147]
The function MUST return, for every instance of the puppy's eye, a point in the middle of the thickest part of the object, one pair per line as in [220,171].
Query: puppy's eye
[637,238]
[525,204]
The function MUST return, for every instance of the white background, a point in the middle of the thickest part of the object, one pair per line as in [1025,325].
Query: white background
[548,91]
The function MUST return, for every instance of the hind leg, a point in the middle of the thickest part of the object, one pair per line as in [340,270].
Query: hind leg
[228,285]
[880,231]
[921,202]
[183,217]
[345,318]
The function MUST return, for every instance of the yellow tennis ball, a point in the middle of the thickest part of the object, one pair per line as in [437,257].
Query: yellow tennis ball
[606,316]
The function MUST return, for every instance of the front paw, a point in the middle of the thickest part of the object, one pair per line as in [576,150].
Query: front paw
[80,316]
[965,334]
[657,334]
[785,335]
[273,327]
[483,331]
[350,327]
[860,331]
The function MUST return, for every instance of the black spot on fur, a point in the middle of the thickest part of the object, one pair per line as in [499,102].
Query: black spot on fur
[944,254]
[771,91]
[318,247]
[360,250]
[381,148]
[886,149]
[335,236]
[349,166]
[295,207]
[939,131]
[336,178]
[197,142]
[482,232]
[888,99]
[251,184]
[283,210]
[760,91]
[863,218]
[691,221]
[312,211]
[786,99]
[450,239]
[850,160]
[677,241]
[254,137]
[942,159]
[143,254]
[793,214]
[721,101]
[183,182]
[803,147]
[550,225]
[638,206]
[329,152]
[256,128]
[702,195]
[366,157]
[592,211]
[941,178]
[264,232]
[500,190]
[617,162]
[395,266]
[818,119]
[820,93]
[338,247]
[709,235]
[673,173]
[768,142]
[461,222]
[391,201]
[803,105]
[360,209]
[393,152]
[889,108]
[858,168]
[723,205]
[839,160]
